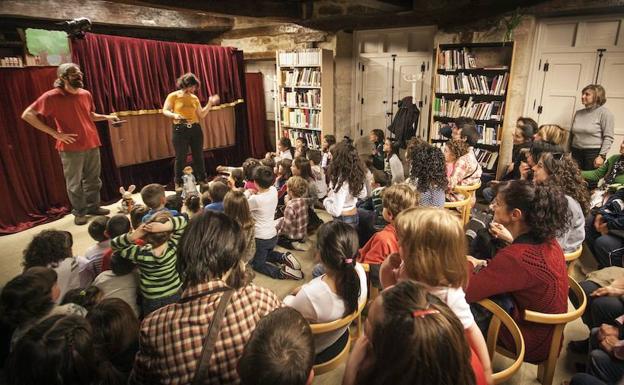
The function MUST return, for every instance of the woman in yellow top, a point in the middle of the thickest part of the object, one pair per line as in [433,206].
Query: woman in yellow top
[184,108]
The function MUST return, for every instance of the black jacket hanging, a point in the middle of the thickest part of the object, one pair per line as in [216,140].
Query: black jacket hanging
[405,122]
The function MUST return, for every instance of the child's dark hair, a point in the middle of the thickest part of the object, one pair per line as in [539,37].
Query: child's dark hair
[136,216]
[86,298]
[62,347]
[193,203]
[303,140]
[239,177]
[264,177]
[49,247]
[379,134]
[152,195]
[97,228]
[280,351]
[544,207]
[330,139]
[529,127]
[381,178]
[394,147]
[157,239]
[315,156]
[28,296]
[174,202]
[115,334]
[402,337]
[187,80]
[120,265]
[468,130]
[119,225]
[249,165]
[217,191]
[269,162]
[286,165]
[305,170]
[205,198]
[428,167]
[285,142]
[338,244]
[346,167]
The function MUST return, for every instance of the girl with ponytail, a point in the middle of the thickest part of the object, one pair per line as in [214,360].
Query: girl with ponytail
[339,291]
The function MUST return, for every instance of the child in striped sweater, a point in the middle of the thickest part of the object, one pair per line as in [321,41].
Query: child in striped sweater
[159,280]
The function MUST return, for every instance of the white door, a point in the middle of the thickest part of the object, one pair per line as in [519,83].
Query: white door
[561,84]
[611,77]
[418,67]
[375,103]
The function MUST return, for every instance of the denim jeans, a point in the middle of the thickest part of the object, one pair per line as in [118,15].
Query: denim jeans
[600,363]
[350,219]
[182,138]
[265,254]
[149,305]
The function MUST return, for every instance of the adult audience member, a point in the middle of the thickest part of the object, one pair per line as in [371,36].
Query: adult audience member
[605,232]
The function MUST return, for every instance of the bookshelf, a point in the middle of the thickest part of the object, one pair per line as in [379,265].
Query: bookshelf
[305,93]
[472,80]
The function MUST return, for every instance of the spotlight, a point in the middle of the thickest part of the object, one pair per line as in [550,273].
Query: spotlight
[76,28]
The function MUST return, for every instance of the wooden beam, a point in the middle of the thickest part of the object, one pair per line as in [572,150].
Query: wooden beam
[265,55]
[115,14]
[268,30]
[385,6]
[283,9]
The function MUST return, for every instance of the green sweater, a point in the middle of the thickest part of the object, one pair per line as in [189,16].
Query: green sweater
[599,173]
[158,275]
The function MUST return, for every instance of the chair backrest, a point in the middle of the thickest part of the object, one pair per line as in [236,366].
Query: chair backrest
[463,205]
[500,317]
[571,257]
[468,190]
[373,292]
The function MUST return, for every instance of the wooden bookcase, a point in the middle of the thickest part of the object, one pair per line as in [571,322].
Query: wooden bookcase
[472,80]
[305,95]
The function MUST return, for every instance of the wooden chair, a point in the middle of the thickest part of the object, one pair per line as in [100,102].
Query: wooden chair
[335,325]
[570,258]
[468,191]
[546,369]
[499,317]
[464,206]
[373,292]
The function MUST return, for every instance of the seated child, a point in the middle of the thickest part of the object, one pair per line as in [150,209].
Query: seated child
[87,297]
[284,172]
[236,179]
[280,351]
[153,195]
[377,138]
[326,146]
[174,203]
[90,265]
[160,282]
[53,249]
[314,156]
[432,251]
[119,225]
[396,198]
[285,150]
[407,327]
[292,227]
[235,206]
[335,294]
[193,205]
[301,147]
[122,282]
[381,180]
[262,206]
[217,191]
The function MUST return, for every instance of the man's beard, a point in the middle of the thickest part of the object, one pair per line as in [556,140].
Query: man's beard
[76,83]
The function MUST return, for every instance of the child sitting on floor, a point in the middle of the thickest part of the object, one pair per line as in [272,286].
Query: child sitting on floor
[292,227]
[87,297]
[121,281]
[217,191]
[314,156]
[90,265]
[156,259]
[119,225]
[153,195]
[235,206]
[374,203]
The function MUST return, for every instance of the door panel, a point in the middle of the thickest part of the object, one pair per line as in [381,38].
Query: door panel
[406,67]
[375,88]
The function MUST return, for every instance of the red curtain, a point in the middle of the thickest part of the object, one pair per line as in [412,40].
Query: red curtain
[32,186]
[128,74]
[256,114]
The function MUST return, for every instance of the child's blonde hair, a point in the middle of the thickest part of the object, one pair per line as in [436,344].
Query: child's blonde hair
[433,246]
[553,133]
[297,187]
[399,197]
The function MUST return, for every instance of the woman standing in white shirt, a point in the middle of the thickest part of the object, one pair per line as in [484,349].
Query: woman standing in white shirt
[339,291]
[346,183]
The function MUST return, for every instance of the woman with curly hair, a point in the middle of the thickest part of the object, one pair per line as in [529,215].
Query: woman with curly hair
[531,270]
[562,171]
[346,183]
[427,173]
[53,248]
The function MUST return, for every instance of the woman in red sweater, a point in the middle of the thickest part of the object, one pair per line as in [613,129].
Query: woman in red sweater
[531,270]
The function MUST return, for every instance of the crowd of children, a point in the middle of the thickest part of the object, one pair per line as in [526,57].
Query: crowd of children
[386,231]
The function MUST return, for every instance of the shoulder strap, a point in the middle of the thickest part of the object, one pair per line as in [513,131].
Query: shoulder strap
[211,339]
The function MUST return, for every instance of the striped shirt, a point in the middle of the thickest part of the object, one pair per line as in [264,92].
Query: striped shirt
[158,277]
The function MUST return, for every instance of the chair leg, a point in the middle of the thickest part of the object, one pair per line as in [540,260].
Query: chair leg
[540,372]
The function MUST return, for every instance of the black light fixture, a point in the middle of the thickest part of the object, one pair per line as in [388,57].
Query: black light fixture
[76,28]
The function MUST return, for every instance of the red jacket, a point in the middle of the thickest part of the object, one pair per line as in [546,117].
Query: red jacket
[382,244]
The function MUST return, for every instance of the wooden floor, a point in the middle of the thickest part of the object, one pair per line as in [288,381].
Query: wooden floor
[11,247]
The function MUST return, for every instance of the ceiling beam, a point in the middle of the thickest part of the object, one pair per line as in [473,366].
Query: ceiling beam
[115,14]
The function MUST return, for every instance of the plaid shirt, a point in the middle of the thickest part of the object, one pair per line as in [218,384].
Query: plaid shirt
[172,337]
[294,224]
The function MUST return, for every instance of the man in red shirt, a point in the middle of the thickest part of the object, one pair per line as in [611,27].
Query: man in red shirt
[71,107]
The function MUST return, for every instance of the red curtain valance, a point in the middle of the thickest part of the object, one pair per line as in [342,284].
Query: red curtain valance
[128,74]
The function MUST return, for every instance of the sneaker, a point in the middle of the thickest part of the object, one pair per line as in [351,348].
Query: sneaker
[99,211]
[291,261]
[80,220]
[580,347]
[290,273]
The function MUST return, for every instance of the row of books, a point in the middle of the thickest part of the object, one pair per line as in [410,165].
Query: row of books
[472,84]
[486,158]
[310,57]
[487,134]
[302,77]
[296,118]
[479,111]
[309,98]
[456,59]
[313,137]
